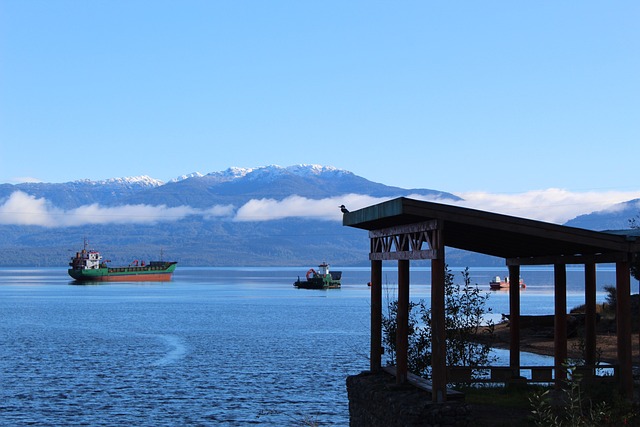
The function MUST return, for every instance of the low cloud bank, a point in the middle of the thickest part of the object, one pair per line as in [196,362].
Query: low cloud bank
[302,207]
[551,205]
[23,209]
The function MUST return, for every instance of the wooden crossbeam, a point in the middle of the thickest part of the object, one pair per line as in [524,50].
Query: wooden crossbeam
[409,242]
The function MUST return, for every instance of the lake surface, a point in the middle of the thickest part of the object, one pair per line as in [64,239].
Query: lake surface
[215,346]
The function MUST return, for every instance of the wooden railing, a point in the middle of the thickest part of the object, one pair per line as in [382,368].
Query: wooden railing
[527,374]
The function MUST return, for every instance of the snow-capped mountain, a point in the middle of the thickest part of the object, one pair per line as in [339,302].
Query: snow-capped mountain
[84,191]
[230,174]
[187,176]
[232,186]
[131,181]
[194,239]
[206,231]
[273,172]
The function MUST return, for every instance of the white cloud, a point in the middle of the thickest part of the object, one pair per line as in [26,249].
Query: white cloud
[620,207]
[218,211]
[128,214]
[551,205]
[23,209]
[297,206]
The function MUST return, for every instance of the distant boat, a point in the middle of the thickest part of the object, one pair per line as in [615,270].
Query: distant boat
[498,283]
[87,266]
[321,279]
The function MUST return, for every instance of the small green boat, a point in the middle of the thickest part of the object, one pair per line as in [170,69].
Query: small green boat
[321,279]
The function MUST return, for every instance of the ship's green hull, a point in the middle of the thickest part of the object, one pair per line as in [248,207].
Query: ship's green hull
[154,272]
[317,283]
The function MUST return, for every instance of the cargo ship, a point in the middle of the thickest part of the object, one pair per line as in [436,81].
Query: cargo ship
[88,266]
[321,279]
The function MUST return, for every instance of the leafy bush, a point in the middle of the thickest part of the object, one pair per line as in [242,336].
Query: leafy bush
[465,317]
[574,407]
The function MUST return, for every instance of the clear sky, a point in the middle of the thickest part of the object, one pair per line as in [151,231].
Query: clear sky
[493,96]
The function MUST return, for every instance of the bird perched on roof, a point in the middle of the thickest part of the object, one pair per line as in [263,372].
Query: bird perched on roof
[343,209]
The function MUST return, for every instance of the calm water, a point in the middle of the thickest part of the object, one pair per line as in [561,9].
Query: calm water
[216,346]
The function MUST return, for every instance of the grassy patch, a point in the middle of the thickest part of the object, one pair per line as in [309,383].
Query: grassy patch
[512,396]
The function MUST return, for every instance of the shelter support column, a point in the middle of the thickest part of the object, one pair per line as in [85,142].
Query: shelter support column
[623,323]
[514,317]
[560,322]
[590,313]
[438,331]
[375,363]
[402,332]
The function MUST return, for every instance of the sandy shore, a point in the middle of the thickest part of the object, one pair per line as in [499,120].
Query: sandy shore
[541,341]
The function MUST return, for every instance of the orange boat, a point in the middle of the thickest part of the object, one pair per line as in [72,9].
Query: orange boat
[498,283]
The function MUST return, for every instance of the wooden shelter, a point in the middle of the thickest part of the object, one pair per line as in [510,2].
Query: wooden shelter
[404,229]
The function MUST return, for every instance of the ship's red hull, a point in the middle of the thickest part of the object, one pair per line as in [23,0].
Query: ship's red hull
[157,277]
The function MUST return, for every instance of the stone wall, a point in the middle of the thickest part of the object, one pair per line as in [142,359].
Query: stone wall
[375,400]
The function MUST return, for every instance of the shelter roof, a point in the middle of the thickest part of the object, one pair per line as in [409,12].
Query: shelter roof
[497,234]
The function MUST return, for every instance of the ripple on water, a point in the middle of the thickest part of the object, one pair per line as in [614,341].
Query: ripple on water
[177,350]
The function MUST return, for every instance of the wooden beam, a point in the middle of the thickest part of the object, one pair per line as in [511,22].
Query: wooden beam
[438,332]
[410,241]
[375,361]
[425,384]
[402,322]
[623,321]
[570,259]
[404,229]
[395,256]
[560,322]
[514,317]
[590,315]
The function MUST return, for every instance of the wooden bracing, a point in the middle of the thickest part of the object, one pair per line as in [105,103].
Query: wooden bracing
[407,242]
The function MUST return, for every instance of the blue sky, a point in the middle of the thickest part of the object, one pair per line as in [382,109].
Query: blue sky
[501,97]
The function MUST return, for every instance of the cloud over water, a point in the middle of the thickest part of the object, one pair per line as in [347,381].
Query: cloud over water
[551,205]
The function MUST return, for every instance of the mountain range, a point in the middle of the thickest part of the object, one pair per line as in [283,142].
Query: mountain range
[234,186]
[264,216]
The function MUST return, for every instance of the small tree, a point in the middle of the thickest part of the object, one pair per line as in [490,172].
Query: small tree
[466,310]
[465,317]
[611,298]
[419,348]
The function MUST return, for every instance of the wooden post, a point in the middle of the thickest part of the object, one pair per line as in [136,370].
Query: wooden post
[375,363]
[590,315]
[402,333]
[623,322]
[560,322]
[514,317]
[438,332]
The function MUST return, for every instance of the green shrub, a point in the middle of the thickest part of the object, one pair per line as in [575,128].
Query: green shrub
[465,317]
[577,406]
